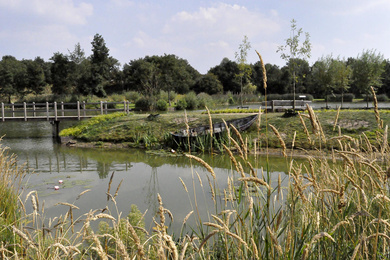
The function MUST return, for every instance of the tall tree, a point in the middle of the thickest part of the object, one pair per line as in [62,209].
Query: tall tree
[209,84]
[341,76]
[367,71]
[323,77]
[293,50]
[12,77]
[226,72]
[244,68]
[34,77]
[61,74]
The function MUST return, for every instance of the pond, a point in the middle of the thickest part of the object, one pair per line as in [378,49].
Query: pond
[142,175]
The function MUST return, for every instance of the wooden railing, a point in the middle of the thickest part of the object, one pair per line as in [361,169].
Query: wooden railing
[56,111]
[280,105]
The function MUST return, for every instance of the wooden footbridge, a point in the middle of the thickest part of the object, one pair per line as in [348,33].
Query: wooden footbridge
[55,112]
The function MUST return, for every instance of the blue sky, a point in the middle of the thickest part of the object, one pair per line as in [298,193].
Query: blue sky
[202,32]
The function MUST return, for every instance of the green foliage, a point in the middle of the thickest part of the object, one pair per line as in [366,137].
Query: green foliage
[161,105]
[348,97]
[132,96]
[380,97]
[191,101]
[77,130]
[144,104]
[181,104]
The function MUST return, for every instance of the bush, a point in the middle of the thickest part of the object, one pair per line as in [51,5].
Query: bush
[132,96]
[191,100]
[161,105]
[181,104]
[381,98]
[205,100]
[348,97]
[143,104]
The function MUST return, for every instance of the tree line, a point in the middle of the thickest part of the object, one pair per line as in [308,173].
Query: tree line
[100,74]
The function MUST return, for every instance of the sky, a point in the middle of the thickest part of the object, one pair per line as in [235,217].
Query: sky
[202,32]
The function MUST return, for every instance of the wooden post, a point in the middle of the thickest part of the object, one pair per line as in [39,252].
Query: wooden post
[2,111]
[272,106]
[105,107]
[62,109]
[55,110]
[34,114]
[84,108]
[127,107]
[101,107]
[47,111]
[25,111]
[13,109]
[78,110]
[124,106]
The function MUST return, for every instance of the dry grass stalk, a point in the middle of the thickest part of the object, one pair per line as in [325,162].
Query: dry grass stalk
[255,180]
[67,204]
[241,140]
[211,189]
[376,110]
[212,233]
[275,241]
[385,143]
[200,180]
[206,165]
[210,122]
[187,217]
[24,237]
[232,158]
[117,189]
[109,186]
[82,193]
[264,71]
[137,241]
[280,140]
[237,146]
[254,248]
[337,118]
[184,185]
[172,247]
[313,119]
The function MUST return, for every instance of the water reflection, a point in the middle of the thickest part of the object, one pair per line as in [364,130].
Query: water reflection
[143,174]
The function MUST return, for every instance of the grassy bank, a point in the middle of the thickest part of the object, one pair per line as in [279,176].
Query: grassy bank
[139,130]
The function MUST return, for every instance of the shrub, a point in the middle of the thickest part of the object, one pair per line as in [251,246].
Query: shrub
[191,100]
[381,98]
[161,105]
[205,100]
[348,97]
[132,96]
[143,104]
[181,104]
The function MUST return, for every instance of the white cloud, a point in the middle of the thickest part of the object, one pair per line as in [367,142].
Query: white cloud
[64,11]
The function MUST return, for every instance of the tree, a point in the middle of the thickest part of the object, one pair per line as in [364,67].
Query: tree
[12,77]
[241,57]
[341,76]
[226,72]
[367,71]
[61,74]
[34,77]
[293,50]
[209,84]
[77,55]
[322,76]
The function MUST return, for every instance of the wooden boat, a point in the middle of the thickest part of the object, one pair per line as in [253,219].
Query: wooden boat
[240,124]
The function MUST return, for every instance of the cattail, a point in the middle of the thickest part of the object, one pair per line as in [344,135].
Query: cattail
[280,140]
